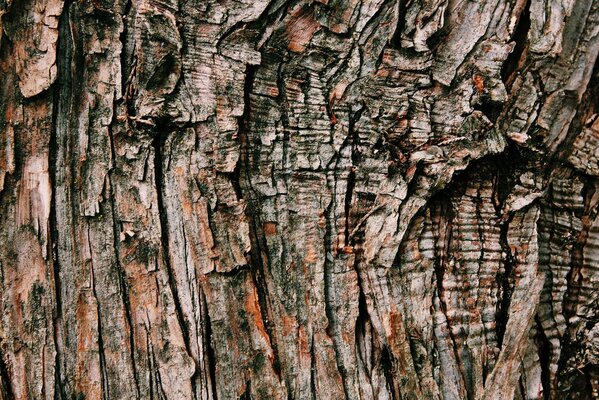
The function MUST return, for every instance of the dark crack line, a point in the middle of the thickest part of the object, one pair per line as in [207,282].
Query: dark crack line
[5,387]
[122,274]
[211,357]
[333,328]
[158,144]
[60,93]
[511,63]
[255,261]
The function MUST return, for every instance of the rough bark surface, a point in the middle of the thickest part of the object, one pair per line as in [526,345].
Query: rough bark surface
[298,199]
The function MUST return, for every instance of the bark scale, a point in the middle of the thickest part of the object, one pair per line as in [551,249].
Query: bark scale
[293,199]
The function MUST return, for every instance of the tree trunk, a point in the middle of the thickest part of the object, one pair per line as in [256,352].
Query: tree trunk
[294,199]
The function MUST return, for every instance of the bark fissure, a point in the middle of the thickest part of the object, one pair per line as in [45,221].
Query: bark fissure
[158,145]
[255,256]
[101,355]
[520,38]
[332,328]
[123,283]
[63,50]
[210,351]
[544,356]
[504,281]
[5,384]
[297,199]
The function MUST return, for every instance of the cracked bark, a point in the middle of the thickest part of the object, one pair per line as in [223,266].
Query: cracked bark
[294,199]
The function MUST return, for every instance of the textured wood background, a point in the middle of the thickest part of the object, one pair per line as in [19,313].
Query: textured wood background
[296,199]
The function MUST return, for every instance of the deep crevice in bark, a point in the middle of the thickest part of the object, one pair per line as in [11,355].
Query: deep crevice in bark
[505,166]
[122,274]
[505,283]
[544,347]
[259,280]
[63,53]
[332,329]
[5,381]
[388,370]
[443,215]
[158,145]
[254,258]
[156,372]
[312,368]
[209,348]
[577,259]
[402,8]
[101,354]
[208,80]
[351,182]
[488,108]
[247,394]
[520,37]
[125,64]
[573,379]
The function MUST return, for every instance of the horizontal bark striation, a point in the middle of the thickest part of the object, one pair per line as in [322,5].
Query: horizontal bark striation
[299,199]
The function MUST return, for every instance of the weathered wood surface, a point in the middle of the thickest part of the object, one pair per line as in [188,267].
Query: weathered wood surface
[333,199]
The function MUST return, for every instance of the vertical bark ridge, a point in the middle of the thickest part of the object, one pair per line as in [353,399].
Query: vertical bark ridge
[298,199]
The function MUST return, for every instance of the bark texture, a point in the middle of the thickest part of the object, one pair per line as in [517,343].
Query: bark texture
[298,199]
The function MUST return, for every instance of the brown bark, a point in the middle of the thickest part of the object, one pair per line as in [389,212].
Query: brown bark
[293,199]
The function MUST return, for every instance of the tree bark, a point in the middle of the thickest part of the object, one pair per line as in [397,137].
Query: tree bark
[294,199]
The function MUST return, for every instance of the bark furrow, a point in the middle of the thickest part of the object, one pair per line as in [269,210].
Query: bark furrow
[299,199]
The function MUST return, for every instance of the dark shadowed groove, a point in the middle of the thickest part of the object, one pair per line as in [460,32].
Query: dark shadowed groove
[259,280]
[351,183]
[123,39]
[101,354]
[122,275]
[506,290]
[156,371]
[312,367]
[397,265]
[5,386]
[544,347]
[332,329]
[505,166]
[363,317]
[580,377]
[255,255]
[158,144]
[354,139]
[234,177]
[59,104]
[149,358]
[520,37]
[247,394]
[478,203]
[395,41]
[389,373]
[208,342]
